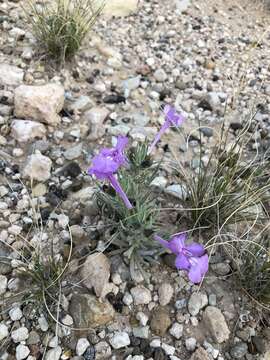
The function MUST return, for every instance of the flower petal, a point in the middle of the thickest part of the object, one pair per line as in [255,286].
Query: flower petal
[177,243]
[162,241]
[195,249]
[122,142]
[195,275]
[181,262]
[199,267]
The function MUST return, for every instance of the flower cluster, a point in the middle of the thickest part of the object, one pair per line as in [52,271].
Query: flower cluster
[190,257]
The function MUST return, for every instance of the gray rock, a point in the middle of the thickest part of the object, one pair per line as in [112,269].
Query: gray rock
[141,332]
[200,354]
[10,75]
[131,84]
[120,340]
[221,269]
[178,191]
[33,338]
[141,295]
[239,350]
[197,301]
[37,167]
[95,119]
[95,273]
[160,75]
[160,321]
[82,103]
[3,284]
[165,293]
[73,152]
[216,324]
[103,350]
[40,103]
[88,312]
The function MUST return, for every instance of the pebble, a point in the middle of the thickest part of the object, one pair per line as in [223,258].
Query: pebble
[81,346]
[10,75]
[239,350]
[196,302]
[15,314]
[176,330]
[160,321]
[160,75]
[216,324]
[20,334]
[26,130]
[37,167]
[53,354]
[191,343]
[165,293]
[3,331]
[141,295]
[22,352]
[120,340]
[103,350]
[3,284]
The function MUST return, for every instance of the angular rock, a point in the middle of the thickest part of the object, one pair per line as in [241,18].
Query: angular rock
[37,167]
[95,118]
[160,321]
[54,354]
[88,312]
[20,334]
[3,331]
[22,352]
[197,301]
[40,103]
[103,350]
[216,324]
[27,130]
[3,284]
[120,340]
[239,350]
[10,75]
[177,330]
[81,346]
[95,273]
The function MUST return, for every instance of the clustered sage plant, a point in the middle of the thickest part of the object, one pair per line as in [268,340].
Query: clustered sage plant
[189,257]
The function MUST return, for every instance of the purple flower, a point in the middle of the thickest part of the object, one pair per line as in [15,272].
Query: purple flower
[107,163]
[190,257]
[171,119]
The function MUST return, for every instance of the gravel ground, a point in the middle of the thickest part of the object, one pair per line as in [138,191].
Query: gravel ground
[208,58]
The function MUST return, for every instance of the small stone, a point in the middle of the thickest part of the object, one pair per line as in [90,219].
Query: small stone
[40,103]
[3,331]
[239,350]
[90,312]
[3,284]
[74,152]
[212,299]
[200,354]
[141,295]
[160,75]
[120,340]
[178,191]
[20,334]
[159,182]
[53,354]
[165,293]
[25,130]
[176,330]
[127,299]
[259,344]
[197,301]
[39,190]
[169,350]
[216,324]
[95,118]
[143,319]
[131,84]
[37,167]
[15,314]
[103,350]
[191,344]
[33,338]
[141,332]
[221,269]
[22,352]
[10,75]
[160,321]
[81,346]
[95,273]
[43,323]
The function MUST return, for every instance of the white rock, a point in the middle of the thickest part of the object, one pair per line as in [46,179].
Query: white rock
[120,340]
[3,284]
[37,167]
[20,334]
[160,182]
[160,75]
[40,103]
[22,352]
[197,301]
[10,75]
[176,330]
[15,314]
[191,344]
[54,354]
[155,343]
[127,299]
[27,130]
[169,350]
[95,273]
[95,118]
[142,317]
[3,331]
[81,346]
[165,293]
[103,350]
[141,295]
[178,191]
[43,323]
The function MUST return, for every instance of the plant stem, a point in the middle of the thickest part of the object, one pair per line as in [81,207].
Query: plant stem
[117,187]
